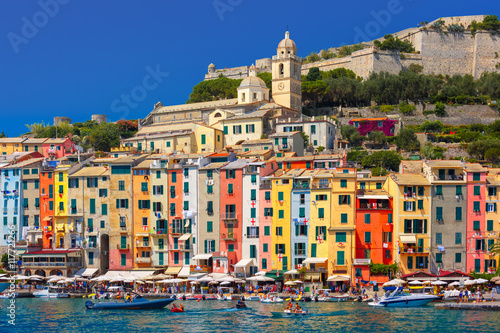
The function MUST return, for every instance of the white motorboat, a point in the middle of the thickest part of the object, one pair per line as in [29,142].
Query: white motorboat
[271,298]
[224,297]
[51,292]
[399,298]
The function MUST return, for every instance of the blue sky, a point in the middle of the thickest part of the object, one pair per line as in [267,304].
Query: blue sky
[76,58]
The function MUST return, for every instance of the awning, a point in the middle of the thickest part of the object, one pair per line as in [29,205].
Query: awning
[185,237]
[312,276]
[315,261]
[373,196]
[243,263]
[202,256]
[334,278]
[408,239]
[173,270]
[184,272]
[47,218]
[87,272]
[196,276]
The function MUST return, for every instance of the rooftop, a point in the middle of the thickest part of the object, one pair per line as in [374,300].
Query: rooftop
[238,164]
[281,134]
[409,179]
[444,164]
[474,167]
[91,172]
[412,166]
[24,163]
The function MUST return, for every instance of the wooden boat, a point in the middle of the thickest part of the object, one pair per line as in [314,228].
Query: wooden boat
[137,303]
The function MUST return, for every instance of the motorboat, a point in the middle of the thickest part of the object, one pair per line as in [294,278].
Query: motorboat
[251,297]
[51,292]
[399,298]
[271,298]
[289,313]
[224,297]
[138,302]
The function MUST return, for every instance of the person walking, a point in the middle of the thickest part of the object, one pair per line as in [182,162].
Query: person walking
[492,294]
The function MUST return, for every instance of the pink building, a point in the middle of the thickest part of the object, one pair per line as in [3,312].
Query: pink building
[57,148]
[476,212]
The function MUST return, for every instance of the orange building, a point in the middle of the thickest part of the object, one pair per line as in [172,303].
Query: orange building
[374,233]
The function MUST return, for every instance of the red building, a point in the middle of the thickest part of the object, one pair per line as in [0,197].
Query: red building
[47,205]
[374,233]
[57,148]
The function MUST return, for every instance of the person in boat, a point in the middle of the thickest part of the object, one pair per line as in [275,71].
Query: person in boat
[375,298]
[174,306]
[297,308]
[128,298]
[181,308]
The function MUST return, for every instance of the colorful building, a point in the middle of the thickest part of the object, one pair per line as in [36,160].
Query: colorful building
[141,208]
[30,177]
[58,148]
[158,213]
[492,218]
[11,145]
[47,204]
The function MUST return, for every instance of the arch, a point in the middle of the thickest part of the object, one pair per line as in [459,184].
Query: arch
[57,272]
[27,272]
[281,69]
[239,142]
[217,115]
[104,257]
[40,272]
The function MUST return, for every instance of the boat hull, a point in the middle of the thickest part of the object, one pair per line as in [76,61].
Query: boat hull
[289,314]
[136,305]
[402,302]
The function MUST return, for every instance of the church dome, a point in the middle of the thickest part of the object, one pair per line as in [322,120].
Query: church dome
[211,66]
[287,42]
[253,81]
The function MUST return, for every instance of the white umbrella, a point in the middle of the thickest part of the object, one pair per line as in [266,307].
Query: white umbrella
[239,281]
[291,272]
[416,282]
[391,283]
[439,283]
[213,282]
[178,280]
[225,283]
[289,283]
[426,282]
[481,281]
[226,279]
[206,279]
[298,281]
[456,283]
[129,281]
[469,282]
[37,277]
[261,273]
[20,277]
[116,279]
[340,278]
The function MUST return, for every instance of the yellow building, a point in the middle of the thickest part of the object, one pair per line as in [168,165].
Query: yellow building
[34,144]
[412,227]
[320,213]
[371,183]
[61,205]
[11,145]
[492,216]
[281,222]
[341,235]
[241,128]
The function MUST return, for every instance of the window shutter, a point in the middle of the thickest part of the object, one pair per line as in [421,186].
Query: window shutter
[340,200]
[348,199]
[206,246]
[248,231]
[425,226]
[126,203]
[117,203]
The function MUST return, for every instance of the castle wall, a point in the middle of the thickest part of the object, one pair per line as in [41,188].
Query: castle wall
[487,53]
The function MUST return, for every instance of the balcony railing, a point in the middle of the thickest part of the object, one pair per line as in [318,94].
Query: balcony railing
[228,237]
[372,206]
[200,269]
[229,216]
[159,232]
[320,186]
[184,247]
[123,246]
[300,252]
[301,186]
[143,260]
[448,177]
[176,231]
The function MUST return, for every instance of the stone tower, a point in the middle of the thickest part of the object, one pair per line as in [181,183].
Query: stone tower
[287,75]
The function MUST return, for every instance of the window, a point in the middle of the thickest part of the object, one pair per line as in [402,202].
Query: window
[268,212]
[253,194]
[477,206]
[421,191]
[480,245]
[439,257]
[313,129]
[387,237]
[123,259]
[203,139]
[230,248]
[321,213]
[489,225]
[302,212]
[378,186]
[267,231]
[172,192]
[458,257]
[230,188]
[281,214]
[92,206]
[237,129]
[439,238]
[343,218]
[458,238]
[344,199]
[279,231]
[492,191]
[121,203]
[367,218]
[415,226]
[368,237]
[121,185]
[340,258]
[92,182]
[439,213]
[340,237]
[267,195]
[491,207]
[476,176]
[458,190]
[210,207]
[280,196]
[210,226]
[123,223]
[226,130]
[157,189]
[362,185]
[186,205]
[409,206]
[409,262]
[458,213]
[186,187]
[230,174]
[174,177]
[439,190]
[172,209]
[321,197]
[343,183]
[250,128]
[389,218]
[477,190]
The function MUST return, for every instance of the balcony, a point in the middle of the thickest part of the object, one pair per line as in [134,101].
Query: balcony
[301,185]
[143,260]
[123,246]
[445,177]
[159,233]
[228,237]
[183,247]
[176,231]
[300,252]
[200,269]
[319,186]
[265,186]
[229,216]
[378,205]
[144,244]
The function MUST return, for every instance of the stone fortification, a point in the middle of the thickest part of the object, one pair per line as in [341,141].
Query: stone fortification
[439,52]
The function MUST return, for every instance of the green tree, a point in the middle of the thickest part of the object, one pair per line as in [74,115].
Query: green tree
[493,155]
[479,148]
[407,140]
[2,135]
[439,109]
[211,90]
[305,137]
[314,92]
[104,136]
[268,79]
[387,159]
[377,137]
[313,74]
[394,43]
[127,128]
[432,126]
[416,68]
[37,129]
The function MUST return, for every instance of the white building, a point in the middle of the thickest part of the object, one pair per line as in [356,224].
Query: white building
[288,142]
[321,130]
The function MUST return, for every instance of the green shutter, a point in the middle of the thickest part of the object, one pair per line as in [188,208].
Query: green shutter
[340,258]
[280,196]
[458,213]
[203,139]
[92,206]
[321,213]
[489,225]
[104,208]
[313,250]
[368,237]
[186,187]
[343,218]
[367,218]
[230,188]
[477,190]
[253,194]
[267,195]
[439,213]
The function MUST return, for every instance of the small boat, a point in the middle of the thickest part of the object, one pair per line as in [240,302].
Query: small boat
[177,310]
[289,313]
[240,305]
[251,297]
[209,297]
[138,302]
[398,298]
[51,292]
[224,297]
[271,298]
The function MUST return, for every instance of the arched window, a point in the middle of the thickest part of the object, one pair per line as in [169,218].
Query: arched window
[217,115]
[281,69]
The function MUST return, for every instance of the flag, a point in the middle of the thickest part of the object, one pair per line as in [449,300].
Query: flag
[278,273]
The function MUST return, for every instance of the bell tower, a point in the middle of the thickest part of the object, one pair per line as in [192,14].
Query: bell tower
[286,72]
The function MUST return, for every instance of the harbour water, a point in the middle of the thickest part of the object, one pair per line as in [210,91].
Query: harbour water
[69,315]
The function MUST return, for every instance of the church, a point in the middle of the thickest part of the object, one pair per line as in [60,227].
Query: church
[213,125]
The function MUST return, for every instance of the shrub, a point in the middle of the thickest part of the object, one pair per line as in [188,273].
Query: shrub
[406,108]
[387,108]
[440,109]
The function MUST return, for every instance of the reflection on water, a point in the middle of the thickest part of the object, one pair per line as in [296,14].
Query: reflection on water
[70,315]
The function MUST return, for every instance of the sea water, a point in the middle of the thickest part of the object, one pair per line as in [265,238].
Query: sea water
[70,315]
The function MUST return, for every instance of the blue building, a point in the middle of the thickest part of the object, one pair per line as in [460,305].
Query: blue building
[10,197]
